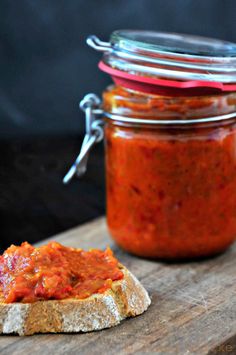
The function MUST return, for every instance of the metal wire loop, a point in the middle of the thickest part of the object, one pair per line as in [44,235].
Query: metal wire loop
[94,133]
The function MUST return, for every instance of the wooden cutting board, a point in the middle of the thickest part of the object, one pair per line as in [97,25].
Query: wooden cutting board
[193,308]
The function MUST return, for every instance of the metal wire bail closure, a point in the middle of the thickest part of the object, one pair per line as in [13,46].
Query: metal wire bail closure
[90,104]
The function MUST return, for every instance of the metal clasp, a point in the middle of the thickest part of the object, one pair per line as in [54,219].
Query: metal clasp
[94,134]
[101,46]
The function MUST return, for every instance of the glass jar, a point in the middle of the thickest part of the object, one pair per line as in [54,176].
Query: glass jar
[170,143]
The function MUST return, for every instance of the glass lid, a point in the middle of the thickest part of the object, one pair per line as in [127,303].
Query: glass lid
[170,57]
[183,44]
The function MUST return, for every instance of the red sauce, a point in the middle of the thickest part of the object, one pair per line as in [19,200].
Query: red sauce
[29,274]
[171,192]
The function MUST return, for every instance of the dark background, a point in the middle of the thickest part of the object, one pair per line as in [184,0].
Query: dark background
[45,69]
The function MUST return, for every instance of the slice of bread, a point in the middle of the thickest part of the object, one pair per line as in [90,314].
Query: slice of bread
[126,298]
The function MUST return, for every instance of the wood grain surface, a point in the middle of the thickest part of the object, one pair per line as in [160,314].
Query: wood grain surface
[193,308]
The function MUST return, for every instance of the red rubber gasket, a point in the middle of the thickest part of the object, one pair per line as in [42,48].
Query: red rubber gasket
[163,86]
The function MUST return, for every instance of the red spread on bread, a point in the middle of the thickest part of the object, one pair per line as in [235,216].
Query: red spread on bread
[53,271]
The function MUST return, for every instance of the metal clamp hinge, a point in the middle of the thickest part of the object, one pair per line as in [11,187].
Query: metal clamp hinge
[94,134]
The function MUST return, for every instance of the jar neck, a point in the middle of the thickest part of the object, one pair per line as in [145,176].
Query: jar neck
[125,102]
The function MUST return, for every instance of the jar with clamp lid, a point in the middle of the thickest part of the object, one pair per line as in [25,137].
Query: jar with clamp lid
[169,123]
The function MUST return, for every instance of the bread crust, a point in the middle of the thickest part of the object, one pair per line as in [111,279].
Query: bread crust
[126,298]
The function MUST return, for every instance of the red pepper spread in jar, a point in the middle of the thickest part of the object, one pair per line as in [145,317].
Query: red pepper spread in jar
[170,142]
[53,271]
[171,190]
